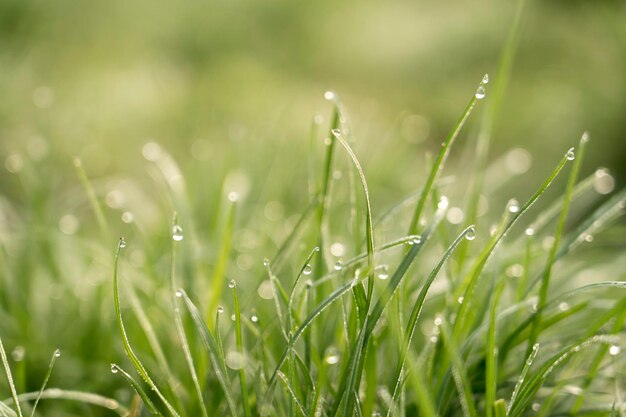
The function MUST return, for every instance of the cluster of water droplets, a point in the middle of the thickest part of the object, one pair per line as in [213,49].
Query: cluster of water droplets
[480,91]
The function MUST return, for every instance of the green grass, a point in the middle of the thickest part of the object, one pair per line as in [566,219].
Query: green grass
[350,304]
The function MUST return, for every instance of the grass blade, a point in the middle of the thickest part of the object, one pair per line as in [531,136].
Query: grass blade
[7,370]
[213,350]
[239,343]
[138,389]
[55,355]
[141,370]
[545,283]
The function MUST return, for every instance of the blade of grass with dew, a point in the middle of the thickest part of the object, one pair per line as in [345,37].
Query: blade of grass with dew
[545,283]
[239,344]
[180,329]
[78,396]
[7,370]
[138,389]
[529,388]
[462,322]
[53,359]
[417,309]
[354,370]
[217,361]
[217,282]
[292,394]
[522,376]
[440,161]
[93,199]
[141,370]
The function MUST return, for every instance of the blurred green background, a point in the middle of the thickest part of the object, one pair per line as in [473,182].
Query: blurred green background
[230,89]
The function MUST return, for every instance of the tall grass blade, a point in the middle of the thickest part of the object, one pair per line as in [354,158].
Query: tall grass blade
[7,370]
[138,389]
[53,359]
[141,370]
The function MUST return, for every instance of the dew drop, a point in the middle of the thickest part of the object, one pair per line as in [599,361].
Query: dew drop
[336,132]
[114,368]
[460,300]
[122,243]
[485,79]
[328,141]
[179,293]
[220,309]
[266,262]
[563,306]
[470,234]
[254,318]
[57,353]
[332,359]
[480,93]
[585,137]
[338,266]
[307,269]
[614,350]
[570,154]
[438,321]
[177,233]
[513,206]
[443,203]
[18,353]
[433,339]
[232,283]
[529,231]
[382,272]
[329,95]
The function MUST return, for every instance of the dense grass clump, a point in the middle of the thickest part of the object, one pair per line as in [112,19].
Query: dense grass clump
[406,313]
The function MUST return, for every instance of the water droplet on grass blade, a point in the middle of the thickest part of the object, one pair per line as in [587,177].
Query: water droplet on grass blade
[179,293]
[570,154]
[307,269]
[329,95]
[471,233]
[177,233]
[232,283]
[220,309]
[254,318]
[382,272]
[57,353]
[480,93]
[485,79]
[114,368]
[338,266]
[529,231]
[513,206]
[122,243]
[614,350]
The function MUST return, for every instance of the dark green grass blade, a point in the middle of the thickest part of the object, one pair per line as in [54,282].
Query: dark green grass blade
[138,389]
[215,356]
[141,370]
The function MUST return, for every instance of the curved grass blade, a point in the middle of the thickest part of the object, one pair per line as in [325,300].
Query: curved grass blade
[213,350]
[439,163]
[545,283]
[491,356]
[138,389]
[7,370]
[55,355]
[141,370]
[353,372]
[292,393]
[79,396]
[461,323]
